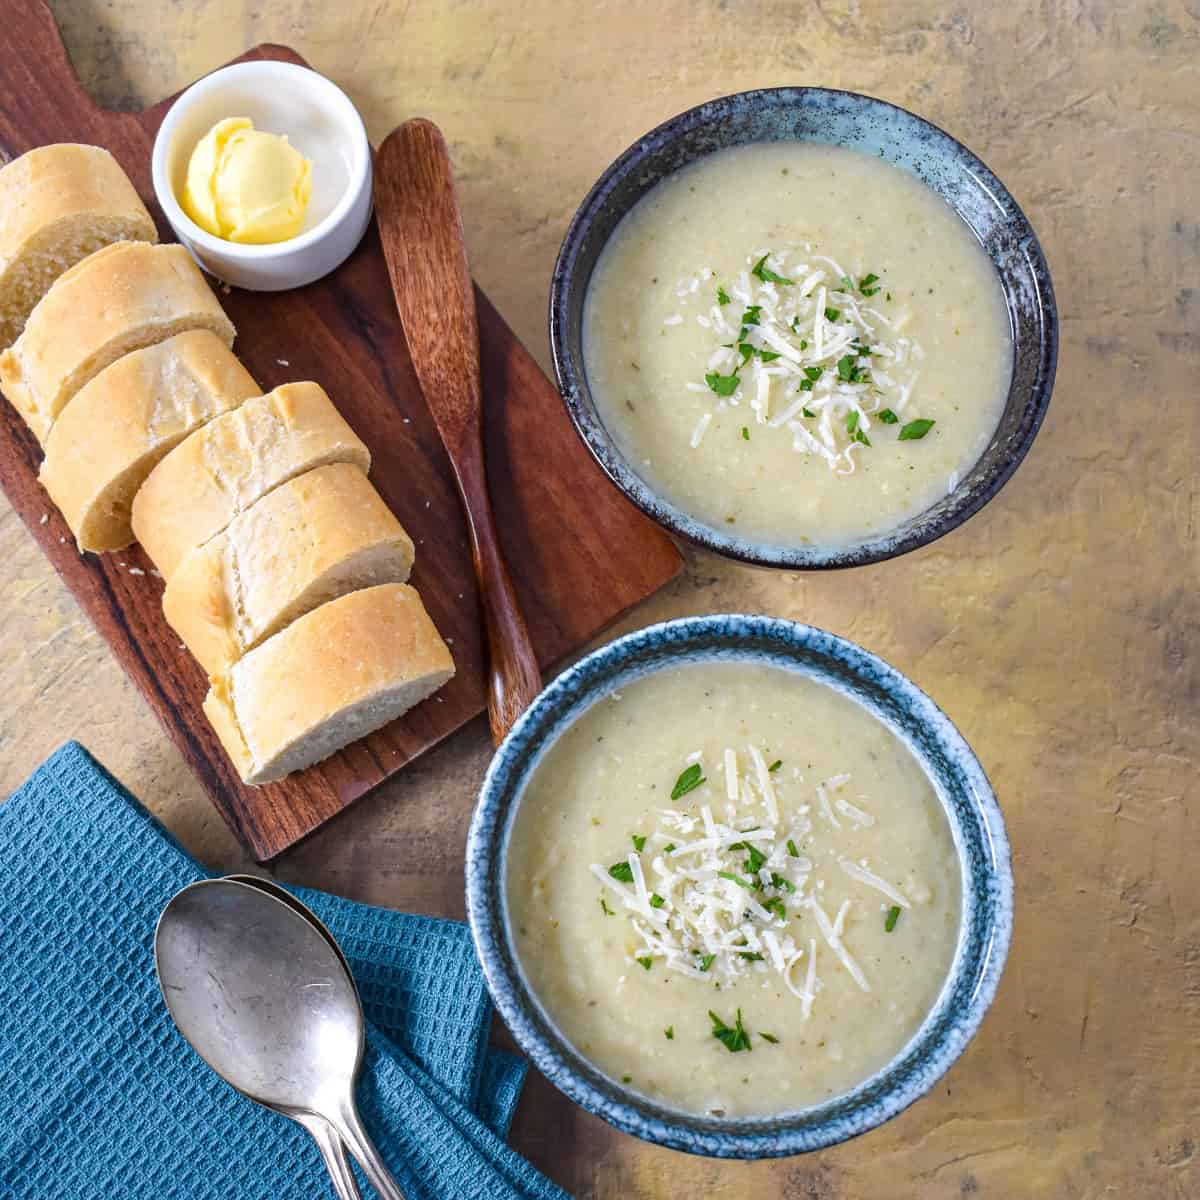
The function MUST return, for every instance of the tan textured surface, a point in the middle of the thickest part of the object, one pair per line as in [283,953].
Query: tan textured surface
[1057,628]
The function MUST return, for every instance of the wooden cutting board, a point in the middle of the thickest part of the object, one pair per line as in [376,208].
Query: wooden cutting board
[581,555]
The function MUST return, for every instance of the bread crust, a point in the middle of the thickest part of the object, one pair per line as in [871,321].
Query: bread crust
[61,202]
[126,419]
[309,541]
[222,469]
[123,297]
[276,705]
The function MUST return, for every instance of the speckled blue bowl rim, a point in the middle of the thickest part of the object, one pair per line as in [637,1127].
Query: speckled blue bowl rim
[962,788]
[1027,403]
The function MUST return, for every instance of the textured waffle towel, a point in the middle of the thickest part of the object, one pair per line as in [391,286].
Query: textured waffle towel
[101,1097]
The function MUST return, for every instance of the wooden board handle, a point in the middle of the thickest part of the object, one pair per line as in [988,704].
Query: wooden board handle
[421,230]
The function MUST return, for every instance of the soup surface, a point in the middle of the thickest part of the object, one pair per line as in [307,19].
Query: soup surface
[797,343]
[733,889]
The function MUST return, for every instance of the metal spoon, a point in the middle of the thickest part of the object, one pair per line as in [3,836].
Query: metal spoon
[265,1000]
[332,1148]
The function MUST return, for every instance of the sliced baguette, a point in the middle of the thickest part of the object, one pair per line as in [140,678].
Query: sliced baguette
[222,469]
[121,424]
[121,298]
[330,678]
[311,540]
[58,204]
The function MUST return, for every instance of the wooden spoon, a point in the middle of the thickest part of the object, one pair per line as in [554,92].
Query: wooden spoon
[421,231]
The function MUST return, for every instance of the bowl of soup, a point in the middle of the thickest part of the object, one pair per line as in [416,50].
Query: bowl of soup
[803,328]
[738,886]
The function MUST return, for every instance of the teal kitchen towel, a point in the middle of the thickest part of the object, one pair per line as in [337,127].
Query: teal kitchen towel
[101,1097]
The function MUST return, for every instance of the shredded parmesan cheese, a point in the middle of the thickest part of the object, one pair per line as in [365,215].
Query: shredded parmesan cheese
[872,880]
[809,345]
[717,898]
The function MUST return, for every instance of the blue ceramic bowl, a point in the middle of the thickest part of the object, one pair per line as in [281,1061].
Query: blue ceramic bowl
[860,123]
[959,781]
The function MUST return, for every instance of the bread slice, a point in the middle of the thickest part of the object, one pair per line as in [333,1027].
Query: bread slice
[121,298]
[222,469]
[312,539]
[330,678]
[58,204]
[120,425]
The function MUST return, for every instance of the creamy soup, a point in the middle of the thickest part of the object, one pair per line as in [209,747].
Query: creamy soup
[733,889]
[797,343]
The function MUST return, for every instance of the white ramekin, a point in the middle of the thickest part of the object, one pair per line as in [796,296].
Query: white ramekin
[321,122]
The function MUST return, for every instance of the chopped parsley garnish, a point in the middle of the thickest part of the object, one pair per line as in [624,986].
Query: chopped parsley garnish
[705,961]
[639,841]
[806,385]
[752,316]
[833,314]
[747,351]
[814,373]
[848,280]
[742,883]
[856,434]
[622,872]
[626,1078]
[608,912]
[669,1033]
[656,901]
[723,297]
[808,412]
[761,271]
[733,1039]
[914,431]
[775,765]
[775,905]
[750,955]
[646,963]
[866,285]
[745,434]
[689,779]
[668,847]
[784,885]
[723,385]
[850,370]
[768,355]
[792,848]
[892,917]
[887,416]
[754,858]
[769,1037]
